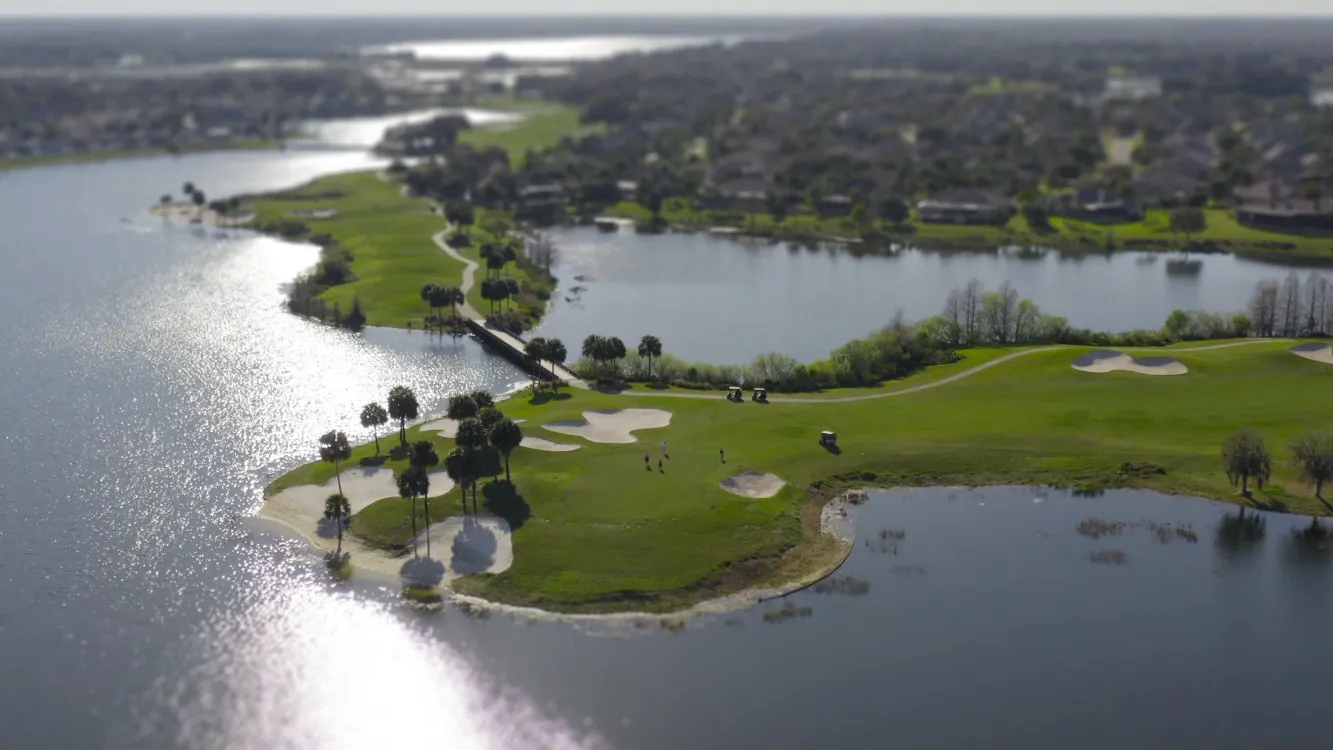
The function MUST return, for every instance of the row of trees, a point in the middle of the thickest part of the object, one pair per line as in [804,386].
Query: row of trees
[540,350]
[1245,457]
[438,297]
[1292,308]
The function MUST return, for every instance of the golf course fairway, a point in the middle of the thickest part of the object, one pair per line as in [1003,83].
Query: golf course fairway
[598,529]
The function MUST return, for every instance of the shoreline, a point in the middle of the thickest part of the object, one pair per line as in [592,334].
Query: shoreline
[102,156]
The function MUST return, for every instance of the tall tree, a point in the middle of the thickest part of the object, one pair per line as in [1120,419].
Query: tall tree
[471,433]
[556,355]
[422,456]
[1263,309]
[1289,305]
[199,200]
[1312,453]
[402,407]
[414,482]
[430,294]
[489,417]
[482,398]
[1245,457]
[894,211]
[650,347]
[462,466]
[505,436]
[495,261]
[1188,221]
[337,508]
[188,190]
[373,416]
[535,352]
[334,448]
[461,406]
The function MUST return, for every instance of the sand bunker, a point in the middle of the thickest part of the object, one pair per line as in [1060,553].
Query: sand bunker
[446,427]
[613,426]
[1106,360]
[753,484]
[302,507]
[464,545]
[1314,350]
[542,444]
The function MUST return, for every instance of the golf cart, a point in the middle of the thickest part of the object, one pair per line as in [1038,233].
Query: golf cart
[734,393]
[828,439]
[760,395]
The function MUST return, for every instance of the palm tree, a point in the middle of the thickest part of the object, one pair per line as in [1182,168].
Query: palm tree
[337,509]
[461,465]
[1313,455]
[505,436]
[556,355]
[429,291]
[1244,455]
[456,298]
[512,290]
[535,351]
[489,417]
[495,261]
[374,416]
[649,348]
[402,407]
[423,456]
[188,189]
[334,448]
[199,199]
[471,433]
[482,398]
[413,483]
[461,407]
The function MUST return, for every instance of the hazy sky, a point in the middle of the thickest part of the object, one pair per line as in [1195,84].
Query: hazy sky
[701,7]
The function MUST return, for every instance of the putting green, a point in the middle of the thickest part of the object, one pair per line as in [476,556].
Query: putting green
[594,531]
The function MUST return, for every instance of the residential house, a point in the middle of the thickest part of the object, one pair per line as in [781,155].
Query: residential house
[1284,205]
[965,207]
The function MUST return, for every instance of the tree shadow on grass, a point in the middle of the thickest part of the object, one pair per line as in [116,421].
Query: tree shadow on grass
[546,396]
[1266,502]
[503,500]
[398,453]
[374,460]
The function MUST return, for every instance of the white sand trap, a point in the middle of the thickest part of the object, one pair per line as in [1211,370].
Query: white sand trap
[1314,350]
[753,484]
[613,426]
[1106,360]
[302,507]
[466,545]
[446,427]
[542,444]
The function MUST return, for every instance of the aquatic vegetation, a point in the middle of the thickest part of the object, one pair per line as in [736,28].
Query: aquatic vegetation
[788,612]
[1108,557]
[1097,528]
[909,569]
[842,585]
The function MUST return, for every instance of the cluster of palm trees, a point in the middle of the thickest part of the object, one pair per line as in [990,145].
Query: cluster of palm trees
[1245,457]
[539,350]
[436,297]
[496,288]
[192,195]
[604,349]
[485,436]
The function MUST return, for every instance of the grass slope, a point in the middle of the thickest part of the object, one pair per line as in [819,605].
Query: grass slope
[544,124]
[594,531]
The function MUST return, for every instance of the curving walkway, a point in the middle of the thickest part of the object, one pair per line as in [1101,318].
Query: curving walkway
[469,277]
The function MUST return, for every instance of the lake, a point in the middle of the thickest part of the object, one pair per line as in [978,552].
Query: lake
[153,385]
[719,300]
[549,49]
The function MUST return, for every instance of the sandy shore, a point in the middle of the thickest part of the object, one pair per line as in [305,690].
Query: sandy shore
[188,213]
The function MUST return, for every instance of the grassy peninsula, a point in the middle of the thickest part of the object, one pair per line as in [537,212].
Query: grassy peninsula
[594,532]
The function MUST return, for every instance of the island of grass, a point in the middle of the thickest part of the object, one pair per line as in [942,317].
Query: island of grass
[594,530]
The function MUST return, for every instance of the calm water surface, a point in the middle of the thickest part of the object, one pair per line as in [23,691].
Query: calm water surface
[718,300]
[153,385]
[550,48]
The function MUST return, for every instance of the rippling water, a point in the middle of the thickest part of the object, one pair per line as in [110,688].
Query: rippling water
[151,385]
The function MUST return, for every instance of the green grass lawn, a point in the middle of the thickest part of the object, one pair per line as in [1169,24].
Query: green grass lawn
[544,124]
[389,236]
[390,239]
[595,531]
